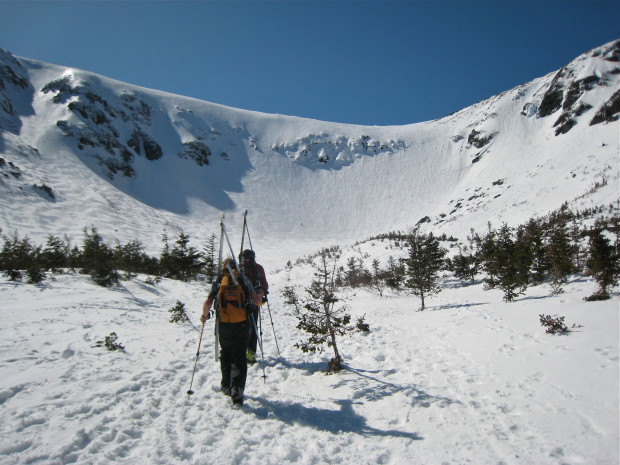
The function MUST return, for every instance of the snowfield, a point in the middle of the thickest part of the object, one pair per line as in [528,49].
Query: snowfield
[469,380]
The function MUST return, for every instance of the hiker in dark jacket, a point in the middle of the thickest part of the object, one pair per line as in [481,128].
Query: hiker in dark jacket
[233,328]
[256,275]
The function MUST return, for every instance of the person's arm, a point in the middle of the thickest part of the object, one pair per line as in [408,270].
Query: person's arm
[262,278]
[206,306]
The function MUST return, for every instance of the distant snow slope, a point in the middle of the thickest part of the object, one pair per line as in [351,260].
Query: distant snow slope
[80,149]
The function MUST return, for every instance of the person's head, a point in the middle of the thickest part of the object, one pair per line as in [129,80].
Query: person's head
[248,256]
[225,263]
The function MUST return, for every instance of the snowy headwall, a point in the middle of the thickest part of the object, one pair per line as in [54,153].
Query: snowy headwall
[79,149]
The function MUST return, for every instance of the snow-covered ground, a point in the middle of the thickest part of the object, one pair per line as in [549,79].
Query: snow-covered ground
[469,380]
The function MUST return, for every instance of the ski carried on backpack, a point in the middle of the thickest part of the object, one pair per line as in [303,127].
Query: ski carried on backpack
[230,306]
[216,330]
[255,300]
[246,230]
[242,276]
[245,222]
[237,269]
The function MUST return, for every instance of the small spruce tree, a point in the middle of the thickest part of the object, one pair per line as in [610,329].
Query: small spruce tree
[178,313]
[55,254]
[210,262]
[554,325]
[356,274]
[426,259]
[603,264]
[318,313]
[379,278]
[182,261]
[489,257]
[560,255]
[130,258]
[465,265]
[505,264]
[97,259]
[21,255]
[535,235]
[394,274]
[523,255]
[110,343]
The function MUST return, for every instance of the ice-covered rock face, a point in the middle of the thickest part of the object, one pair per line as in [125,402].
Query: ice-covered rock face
[572,86]
[15,93]
[110,129]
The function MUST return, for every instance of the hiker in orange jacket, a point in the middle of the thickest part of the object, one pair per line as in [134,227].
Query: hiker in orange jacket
[233,329]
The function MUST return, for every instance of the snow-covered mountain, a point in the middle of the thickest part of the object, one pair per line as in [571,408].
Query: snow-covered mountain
[471,380]
[78,149]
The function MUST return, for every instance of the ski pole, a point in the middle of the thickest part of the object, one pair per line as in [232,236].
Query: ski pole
[190,392]
[260,344]
[245,223]
[260,323]
[216,329]
[274,329]
[216,332]
[247,228]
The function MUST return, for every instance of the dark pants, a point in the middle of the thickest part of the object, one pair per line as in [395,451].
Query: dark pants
[234,339]
[253,312]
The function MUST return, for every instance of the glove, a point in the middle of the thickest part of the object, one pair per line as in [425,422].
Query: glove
[206,310]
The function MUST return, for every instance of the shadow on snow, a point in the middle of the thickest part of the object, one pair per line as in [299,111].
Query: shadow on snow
[448,306]
[371,388]
[366,388]
[343,420]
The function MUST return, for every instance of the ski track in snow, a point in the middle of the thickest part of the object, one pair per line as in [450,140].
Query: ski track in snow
[469,380]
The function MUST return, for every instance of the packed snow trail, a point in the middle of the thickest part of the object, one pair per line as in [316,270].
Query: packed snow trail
[470,380]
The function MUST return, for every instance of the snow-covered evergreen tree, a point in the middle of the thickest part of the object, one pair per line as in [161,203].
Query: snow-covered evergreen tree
[425,260]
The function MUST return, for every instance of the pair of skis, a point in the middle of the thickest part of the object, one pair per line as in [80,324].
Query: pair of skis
[238,268]
[245,231]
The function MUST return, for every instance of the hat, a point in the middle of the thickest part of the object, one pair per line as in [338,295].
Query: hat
[248,253]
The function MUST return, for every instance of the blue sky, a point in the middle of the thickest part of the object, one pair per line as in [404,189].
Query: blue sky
[361,62]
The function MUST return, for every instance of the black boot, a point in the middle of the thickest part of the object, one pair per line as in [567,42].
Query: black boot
[237,396]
